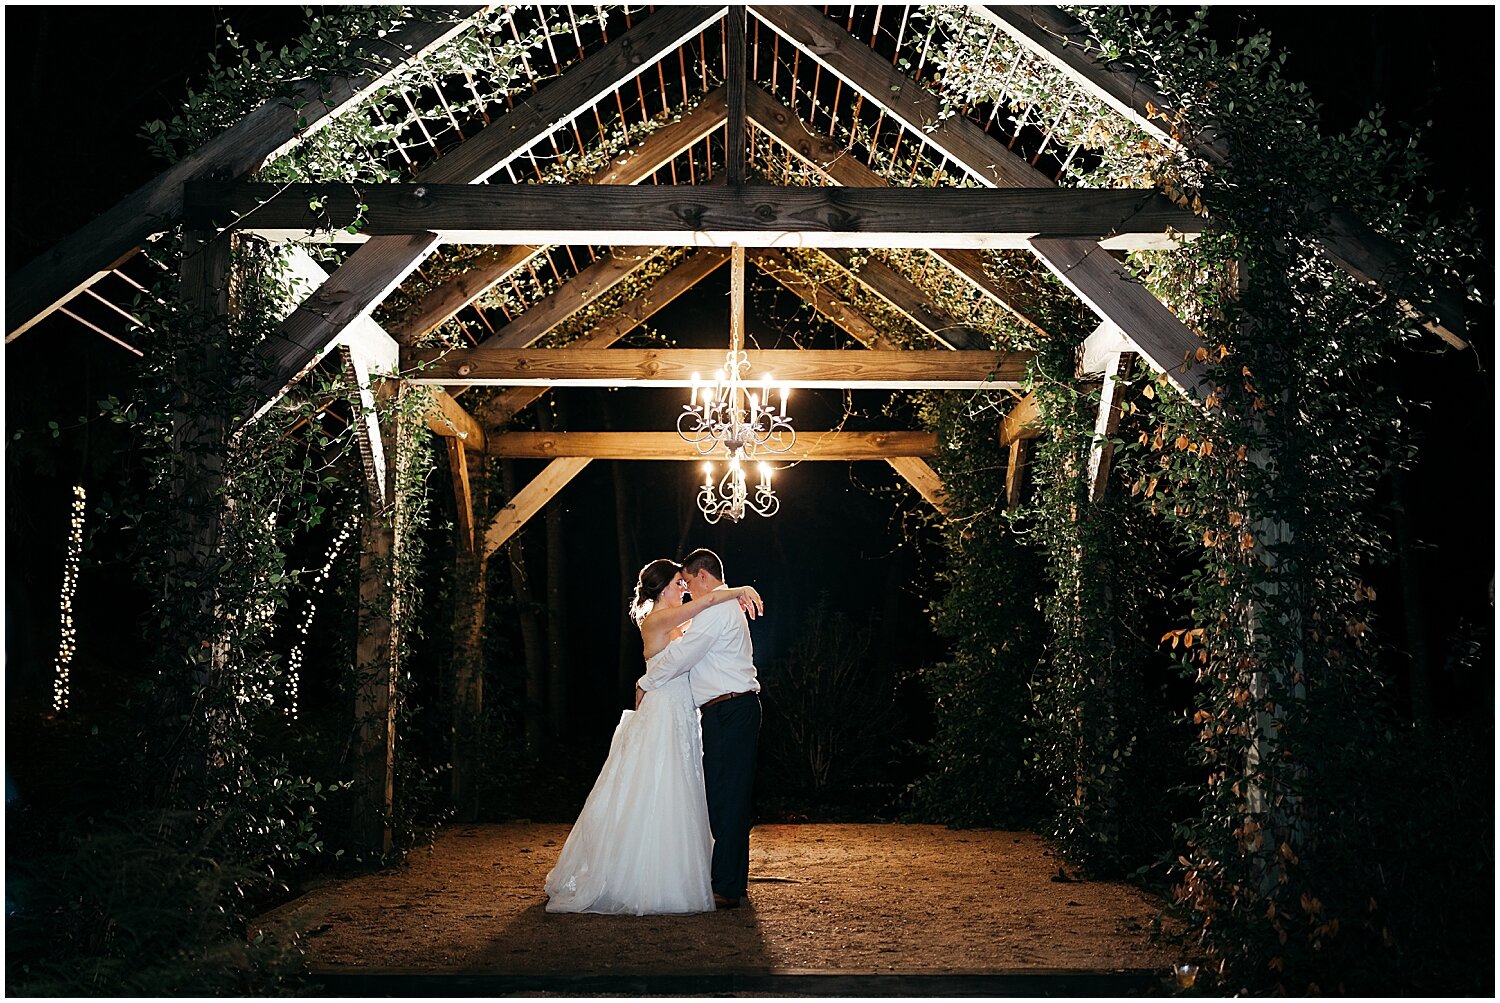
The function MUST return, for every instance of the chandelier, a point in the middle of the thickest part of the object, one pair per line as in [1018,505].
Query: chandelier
[728,419]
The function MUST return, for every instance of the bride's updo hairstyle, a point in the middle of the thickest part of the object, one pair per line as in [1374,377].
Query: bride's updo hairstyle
[649,584]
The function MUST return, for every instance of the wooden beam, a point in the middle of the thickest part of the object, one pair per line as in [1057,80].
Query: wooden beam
[695,265]
[530,499]
[1015,471]
[631,167]
[1021,422]
[1099,350]
[823,300]
[907,299]
[736,78]
[754,216]
[1103,450]
[845,446]
[365,279]
[578,292]
[919,475]
[831,159]
[264,134]
[1118,297]
[458,465]
[560,100]
[377,267]
[447,417]
[438,305]
[1064,42]
[616,367]
[907,101]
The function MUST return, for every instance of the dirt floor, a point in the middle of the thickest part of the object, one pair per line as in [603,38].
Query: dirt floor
[871,898]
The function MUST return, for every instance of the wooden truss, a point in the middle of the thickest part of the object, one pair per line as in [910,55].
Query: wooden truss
[1002,201]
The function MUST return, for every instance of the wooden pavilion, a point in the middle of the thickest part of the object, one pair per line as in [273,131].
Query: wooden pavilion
[650,147]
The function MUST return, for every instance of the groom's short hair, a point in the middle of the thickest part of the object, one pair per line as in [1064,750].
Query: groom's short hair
[703,559]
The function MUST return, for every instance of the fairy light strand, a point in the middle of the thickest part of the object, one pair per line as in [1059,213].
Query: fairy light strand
[310,609]
[68,638]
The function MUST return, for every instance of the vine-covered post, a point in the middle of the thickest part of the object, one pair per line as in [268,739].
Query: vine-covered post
[200,433]
[378,650]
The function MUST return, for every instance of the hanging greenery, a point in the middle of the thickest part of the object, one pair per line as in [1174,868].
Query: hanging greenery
[1267,493]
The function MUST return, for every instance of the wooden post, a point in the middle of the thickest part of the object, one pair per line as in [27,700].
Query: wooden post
[468,656]
[200,441]
[378,649]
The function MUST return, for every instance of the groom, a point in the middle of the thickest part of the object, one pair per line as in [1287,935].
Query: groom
[716,652]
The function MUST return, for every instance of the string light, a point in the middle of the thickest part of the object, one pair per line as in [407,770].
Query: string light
[294,661]
[68,637]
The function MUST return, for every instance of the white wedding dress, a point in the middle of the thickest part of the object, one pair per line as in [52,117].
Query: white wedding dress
[641,845]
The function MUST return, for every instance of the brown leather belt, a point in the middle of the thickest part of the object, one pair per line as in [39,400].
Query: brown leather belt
[722,697]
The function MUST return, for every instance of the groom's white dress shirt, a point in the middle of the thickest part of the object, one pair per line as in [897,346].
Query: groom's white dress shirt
[716,648]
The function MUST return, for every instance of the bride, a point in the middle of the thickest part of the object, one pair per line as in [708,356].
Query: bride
[641,845]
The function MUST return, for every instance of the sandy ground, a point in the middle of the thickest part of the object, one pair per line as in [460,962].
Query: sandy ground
[872,898]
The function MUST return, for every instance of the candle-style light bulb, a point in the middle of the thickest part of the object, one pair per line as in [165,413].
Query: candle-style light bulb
[708,475]
[695,390]
[765,475]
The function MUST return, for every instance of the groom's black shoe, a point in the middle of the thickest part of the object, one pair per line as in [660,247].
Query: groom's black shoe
[721,902]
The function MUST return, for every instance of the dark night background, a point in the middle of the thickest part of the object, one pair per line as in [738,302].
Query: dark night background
[81,81]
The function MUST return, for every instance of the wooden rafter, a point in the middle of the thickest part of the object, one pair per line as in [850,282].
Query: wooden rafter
[447,417]
[530,499]
[582,289]
[1117,219]
[824,301]
[905,100]
[1022,421]
[916,472]
[1370,257]
[631,167]
[378,266]
[694,267]
[907,298]
[831,159]
[615,367]
[264,134]
[844,446]
[1102,452]
[1117,296]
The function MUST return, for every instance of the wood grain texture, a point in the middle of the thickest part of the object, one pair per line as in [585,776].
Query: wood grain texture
[1022,421]
[824,301]
[447,417]
[921,111]
[752,215]
[530,499]
[580,367]
[844,446]
[919,475]
[1102,452]
[1118,297]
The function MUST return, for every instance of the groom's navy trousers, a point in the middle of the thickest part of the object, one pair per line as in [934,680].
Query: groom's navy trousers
[731,734]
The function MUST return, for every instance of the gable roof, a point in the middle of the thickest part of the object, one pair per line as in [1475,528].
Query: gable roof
[637,99]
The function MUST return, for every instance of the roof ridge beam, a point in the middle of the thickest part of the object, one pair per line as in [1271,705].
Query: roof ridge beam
[263,134]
